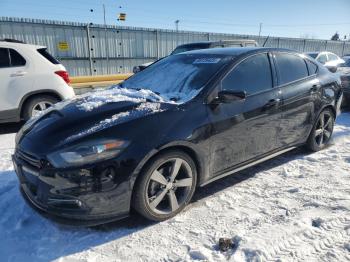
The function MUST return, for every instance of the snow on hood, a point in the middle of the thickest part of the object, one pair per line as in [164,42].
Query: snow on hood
[143,109]
[92,100]
[148,100]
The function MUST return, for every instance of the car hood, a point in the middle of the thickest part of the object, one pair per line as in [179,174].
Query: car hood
[70,121]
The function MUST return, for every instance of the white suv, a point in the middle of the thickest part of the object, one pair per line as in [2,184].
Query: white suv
[31,81]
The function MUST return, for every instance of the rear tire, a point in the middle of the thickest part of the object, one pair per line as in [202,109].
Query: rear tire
[37,104]
[166,186]
[322,131]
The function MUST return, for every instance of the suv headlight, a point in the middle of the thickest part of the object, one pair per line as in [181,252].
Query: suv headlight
[86,153]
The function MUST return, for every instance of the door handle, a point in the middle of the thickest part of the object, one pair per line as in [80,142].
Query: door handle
[19,73]
[272,103]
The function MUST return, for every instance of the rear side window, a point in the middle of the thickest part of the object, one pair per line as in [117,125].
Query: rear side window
[322,58]
[48,56]
[4,58]
[16,58]
[332,57]
[253,75]
[290,67]
[312,67]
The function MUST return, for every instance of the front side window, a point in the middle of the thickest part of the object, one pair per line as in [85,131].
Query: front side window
[291,67]
[253,75]
[178,78]
[16,58]
[4,58]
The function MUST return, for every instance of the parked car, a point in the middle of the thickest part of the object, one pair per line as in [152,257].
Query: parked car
[344,70]
[328,59]
[31,81]
[204,45]
[185,121]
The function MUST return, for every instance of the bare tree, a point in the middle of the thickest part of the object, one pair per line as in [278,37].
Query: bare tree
[335,37]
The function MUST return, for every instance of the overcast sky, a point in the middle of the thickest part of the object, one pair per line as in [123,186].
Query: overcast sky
[292,18]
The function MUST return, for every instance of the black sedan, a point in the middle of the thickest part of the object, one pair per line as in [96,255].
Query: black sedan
[182,123]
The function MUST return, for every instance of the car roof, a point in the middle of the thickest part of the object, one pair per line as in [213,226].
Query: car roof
[235,51]
[9,44]
[206,43]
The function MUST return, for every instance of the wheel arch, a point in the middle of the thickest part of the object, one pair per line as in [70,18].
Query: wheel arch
[34,94]
[331,107]
[184,147]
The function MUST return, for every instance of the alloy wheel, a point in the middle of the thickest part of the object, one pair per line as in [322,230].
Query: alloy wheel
[39,107]
[169,186]
[324,128]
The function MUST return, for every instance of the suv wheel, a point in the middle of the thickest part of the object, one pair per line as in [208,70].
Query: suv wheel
[322,131]
[166,186]
[36,105]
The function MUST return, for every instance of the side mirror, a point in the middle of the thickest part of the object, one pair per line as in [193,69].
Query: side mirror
[332,69]
[228,96]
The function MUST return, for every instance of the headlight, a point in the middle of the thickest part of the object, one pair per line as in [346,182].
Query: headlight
[86,153]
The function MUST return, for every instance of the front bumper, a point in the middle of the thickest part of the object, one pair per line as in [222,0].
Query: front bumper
[78,197]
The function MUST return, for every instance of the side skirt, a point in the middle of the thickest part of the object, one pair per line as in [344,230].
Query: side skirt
[248,165]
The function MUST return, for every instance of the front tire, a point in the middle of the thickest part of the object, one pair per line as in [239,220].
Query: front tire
[322,131]
[166,186]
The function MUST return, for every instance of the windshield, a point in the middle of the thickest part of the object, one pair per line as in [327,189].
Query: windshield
[177,78]
[181,49]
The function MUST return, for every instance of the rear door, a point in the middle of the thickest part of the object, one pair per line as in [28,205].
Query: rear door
[5,72]
[15,78]
[299,90]
[246,129]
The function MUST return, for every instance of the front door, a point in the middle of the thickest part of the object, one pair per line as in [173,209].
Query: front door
[246,129]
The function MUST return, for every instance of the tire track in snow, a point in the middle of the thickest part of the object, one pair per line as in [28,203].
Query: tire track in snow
[312,243]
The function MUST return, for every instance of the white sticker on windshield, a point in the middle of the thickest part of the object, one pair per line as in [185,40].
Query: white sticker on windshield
[206,60]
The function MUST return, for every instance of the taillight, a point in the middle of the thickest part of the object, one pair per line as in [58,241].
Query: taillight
[64,75]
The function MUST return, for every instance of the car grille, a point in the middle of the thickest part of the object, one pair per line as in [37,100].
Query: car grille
[29,159]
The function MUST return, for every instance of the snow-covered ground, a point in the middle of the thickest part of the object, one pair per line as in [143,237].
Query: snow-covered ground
[295,207]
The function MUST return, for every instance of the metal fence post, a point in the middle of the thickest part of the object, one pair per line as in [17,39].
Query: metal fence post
[342,52]
[208,36]
[157,44]
[304,45]
[89,46]
[325,46]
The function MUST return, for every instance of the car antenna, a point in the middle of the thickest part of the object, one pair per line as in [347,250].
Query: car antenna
[267,38]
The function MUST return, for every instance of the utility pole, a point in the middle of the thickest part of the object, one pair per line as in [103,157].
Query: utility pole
[260,28]
[177,25]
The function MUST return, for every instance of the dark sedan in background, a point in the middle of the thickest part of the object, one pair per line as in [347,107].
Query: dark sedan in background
[204,45]
[183,122]
[344,70]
